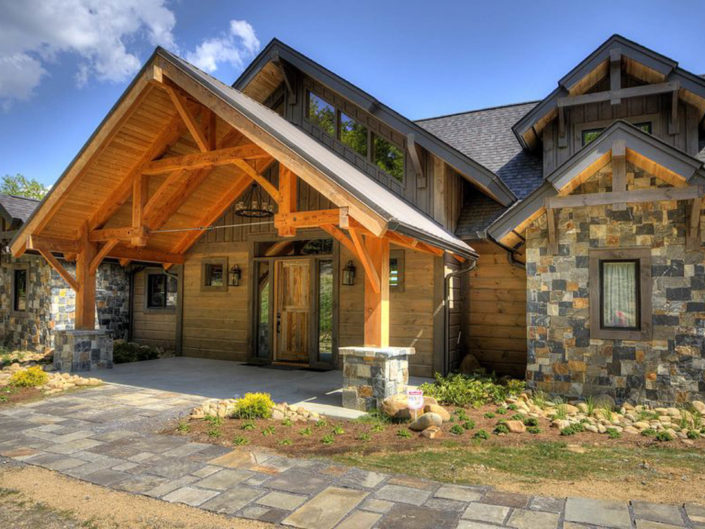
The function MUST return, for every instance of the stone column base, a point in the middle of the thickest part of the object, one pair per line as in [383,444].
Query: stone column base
[82,350]
[371,374]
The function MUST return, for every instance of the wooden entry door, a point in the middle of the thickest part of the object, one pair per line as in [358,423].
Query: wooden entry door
[293,310]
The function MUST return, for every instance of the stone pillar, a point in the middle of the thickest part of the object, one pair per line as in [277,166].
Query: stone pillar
[371,374]
[82,350]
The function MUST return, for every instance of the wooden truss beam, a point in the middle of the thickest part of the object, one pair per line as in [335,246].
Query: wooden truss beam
[633,196]
[622,93]
[312,219]
[250,171]
[140,191]
[52,244]
[125,234]
[368,264]
[225,156]
[102,253]
[188,119]
[56,265]
[412,244]
[145,254]
[340,237]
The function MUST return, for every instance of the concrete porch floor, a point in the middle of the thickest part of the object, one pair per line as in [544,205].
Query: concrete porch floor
[318,391]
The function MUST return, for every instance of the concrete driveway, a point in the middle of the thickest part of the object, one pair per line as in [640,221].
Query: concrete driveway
[318,391]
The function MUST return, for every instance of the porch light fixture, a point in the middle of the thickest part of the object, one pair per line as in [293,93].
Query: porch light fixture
[349,274]
[235,276]
[255,203]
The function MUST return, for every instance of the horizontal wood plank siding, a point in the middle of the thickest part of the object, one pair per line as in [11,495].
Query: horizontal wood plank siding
[151,327]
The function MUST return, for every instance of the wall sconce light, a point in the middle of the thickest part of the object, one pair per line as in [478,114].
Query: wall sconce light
[235,276]
[349,274]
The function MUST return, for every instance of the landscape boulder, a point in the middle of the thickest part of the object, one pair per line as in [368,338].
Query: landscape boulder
[432,432]
[440,410]
[516,426]
[425,421]
[396,407]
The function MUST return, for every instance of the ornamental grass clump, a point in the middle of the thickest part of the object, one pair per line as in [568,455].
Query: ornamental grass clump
[254,406]
[473,390]
[29,378]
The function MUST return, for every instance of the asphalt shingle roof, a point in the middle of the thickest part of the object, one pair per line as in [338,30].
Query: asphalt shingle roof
[486,136]
[18,207]
[477,214]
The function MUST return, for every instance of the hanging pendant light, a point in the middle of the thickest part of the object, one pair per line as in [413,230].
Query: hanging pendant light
[254,203]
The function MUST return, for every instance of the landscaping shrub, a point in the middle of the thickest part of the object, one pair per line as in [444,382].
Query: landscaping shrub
[469,424]
[254,406]
[29,378]
[649,432]
[573,429]
[693,434]
[406,434]
[474,390]
[664,436]
[124,352]
[533,429]
[531,421]
[481,434]
[613,433]
[456,429]
[501,428]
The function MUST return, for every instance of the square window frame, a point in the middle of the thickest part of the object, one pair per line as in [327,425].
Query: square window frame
[643,257]
[20,313]
[217,261]
[165,308]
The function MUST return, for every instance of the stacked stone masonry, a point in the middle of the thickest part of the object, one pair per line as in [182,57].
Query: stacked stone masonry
[562,358]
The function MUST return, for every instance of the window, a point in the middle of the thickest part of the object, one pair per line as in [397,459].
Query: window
[321,113]
[161,291]
[589,135]
[620,294]
[325,311]
[396,270]
[388,157]
[214,274]
[336,123]
[19,296]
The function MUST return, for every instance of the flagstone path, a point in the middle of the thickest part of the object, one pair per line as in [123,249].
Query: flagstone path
[107,436]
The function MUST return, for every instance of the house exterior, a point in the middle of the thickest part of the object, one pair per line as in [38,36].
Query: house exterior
[278,219]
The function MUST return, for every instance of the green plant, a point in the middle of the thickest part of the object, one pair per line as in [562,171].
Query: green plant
[481,434]
[456,429]
[248,425]
[378,428]
[406,434]
[539,398]
[613,433]
[489,415]
[268,430]
[501,428]
[462,416]
[608,412]
[338,430]
[183,427]
[531,421]
[124,352]
[512,407]
[664,436]
[533,429]
[328,439]
[305,431]
[649,432]
[214,432]
[693,434]
[573,429]
[29,378]
[501,410]
[287,422]
[647,415]
[285,442]
[254,406]
[321,423]
[517,417]
[469,424]
[241,441]
[213,420]
[561,412]
[364,436]
[590,403]
[474,390]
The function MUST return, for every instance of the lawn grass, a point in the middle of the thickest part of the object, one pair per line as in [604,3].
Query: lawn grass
[531,462]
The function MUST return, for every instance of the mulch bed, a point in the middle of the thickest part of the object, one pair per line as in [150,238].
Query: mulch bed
[11,395]
[383,436]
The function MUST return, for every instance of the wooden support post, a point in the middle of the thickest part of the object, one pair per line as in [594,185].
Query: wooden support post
[85,295]
[287,205]
[692,238]
[619,172]
[377,300]
[552,235]
[615,75]
[139,199]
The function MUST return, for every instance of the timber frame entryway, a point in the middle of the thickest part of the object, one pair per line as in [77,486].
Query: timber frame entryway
[295,303]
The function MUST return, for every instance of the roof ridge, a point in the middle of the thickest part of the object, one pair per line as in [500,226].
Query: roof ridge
[20,197]
[477,110]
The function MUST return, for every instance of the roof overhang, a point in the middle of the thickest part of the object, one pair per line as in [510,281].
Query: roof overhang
[641,149]
[640,62]
[276,52]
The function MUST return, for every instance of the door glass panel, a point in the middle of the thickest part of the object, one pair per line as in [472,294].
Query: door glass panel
[263,324]
[325,311]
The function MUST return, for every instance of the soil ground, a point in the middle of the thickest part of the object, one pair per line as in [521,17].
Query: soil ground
[32,497]
[547,463]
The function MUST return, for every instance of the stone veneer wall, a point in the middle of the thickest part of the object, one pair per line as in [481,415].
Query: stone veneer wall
[562,358]
[51,302]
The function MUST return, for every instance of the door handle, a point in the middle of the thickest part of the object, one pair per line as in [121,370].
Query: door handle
[279,322]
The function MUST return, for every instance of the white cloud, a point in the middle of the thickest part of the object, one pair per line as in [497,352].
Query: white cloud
[234,47]
[36,32]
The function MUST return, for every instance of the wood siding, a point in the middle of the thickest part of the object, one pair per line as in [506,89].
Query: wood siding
[155,327]
[496,313]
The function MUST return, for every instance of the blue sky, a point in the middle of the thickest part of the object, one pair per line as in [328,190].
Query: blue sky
[63,63]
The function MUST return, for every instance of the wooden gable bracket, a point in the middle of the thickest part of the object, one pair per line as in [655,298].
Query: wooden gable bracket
[551,219]
[621,93]
[615,75]
[101,254]
[288,75]
[56,265]
[140,189]
[250,171]
[367,264]
[415,160]
[223,156]
[340,237]
[562,136]
[619,171]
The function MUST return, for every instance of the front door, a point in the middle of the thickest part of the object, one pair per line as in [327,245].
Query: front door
[292,310]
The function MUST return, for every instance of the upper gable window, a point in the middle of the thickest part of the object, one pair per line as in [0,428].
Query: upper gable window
[383,153]
[589,135]
[321,113]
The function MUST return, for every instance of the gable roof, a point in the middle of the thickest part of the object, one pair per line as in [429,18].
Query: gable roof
[638,144]
[16,208]
[476,172]
[641,62]
[486,135]
[345,184]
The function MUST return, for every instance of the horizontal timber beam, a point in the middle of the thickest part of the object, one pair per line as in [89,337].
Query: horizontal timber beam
[145,254]
[51,244]
[197,160]
[622,93]
[313,219]
[121,234]
[633,196]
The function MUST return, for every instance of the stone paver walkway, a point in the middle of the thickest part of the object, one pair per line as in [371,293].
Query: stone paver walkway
[106,436]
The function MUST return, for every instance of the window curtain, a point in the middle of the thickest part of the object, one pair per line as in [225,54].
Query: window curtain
[619,294]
